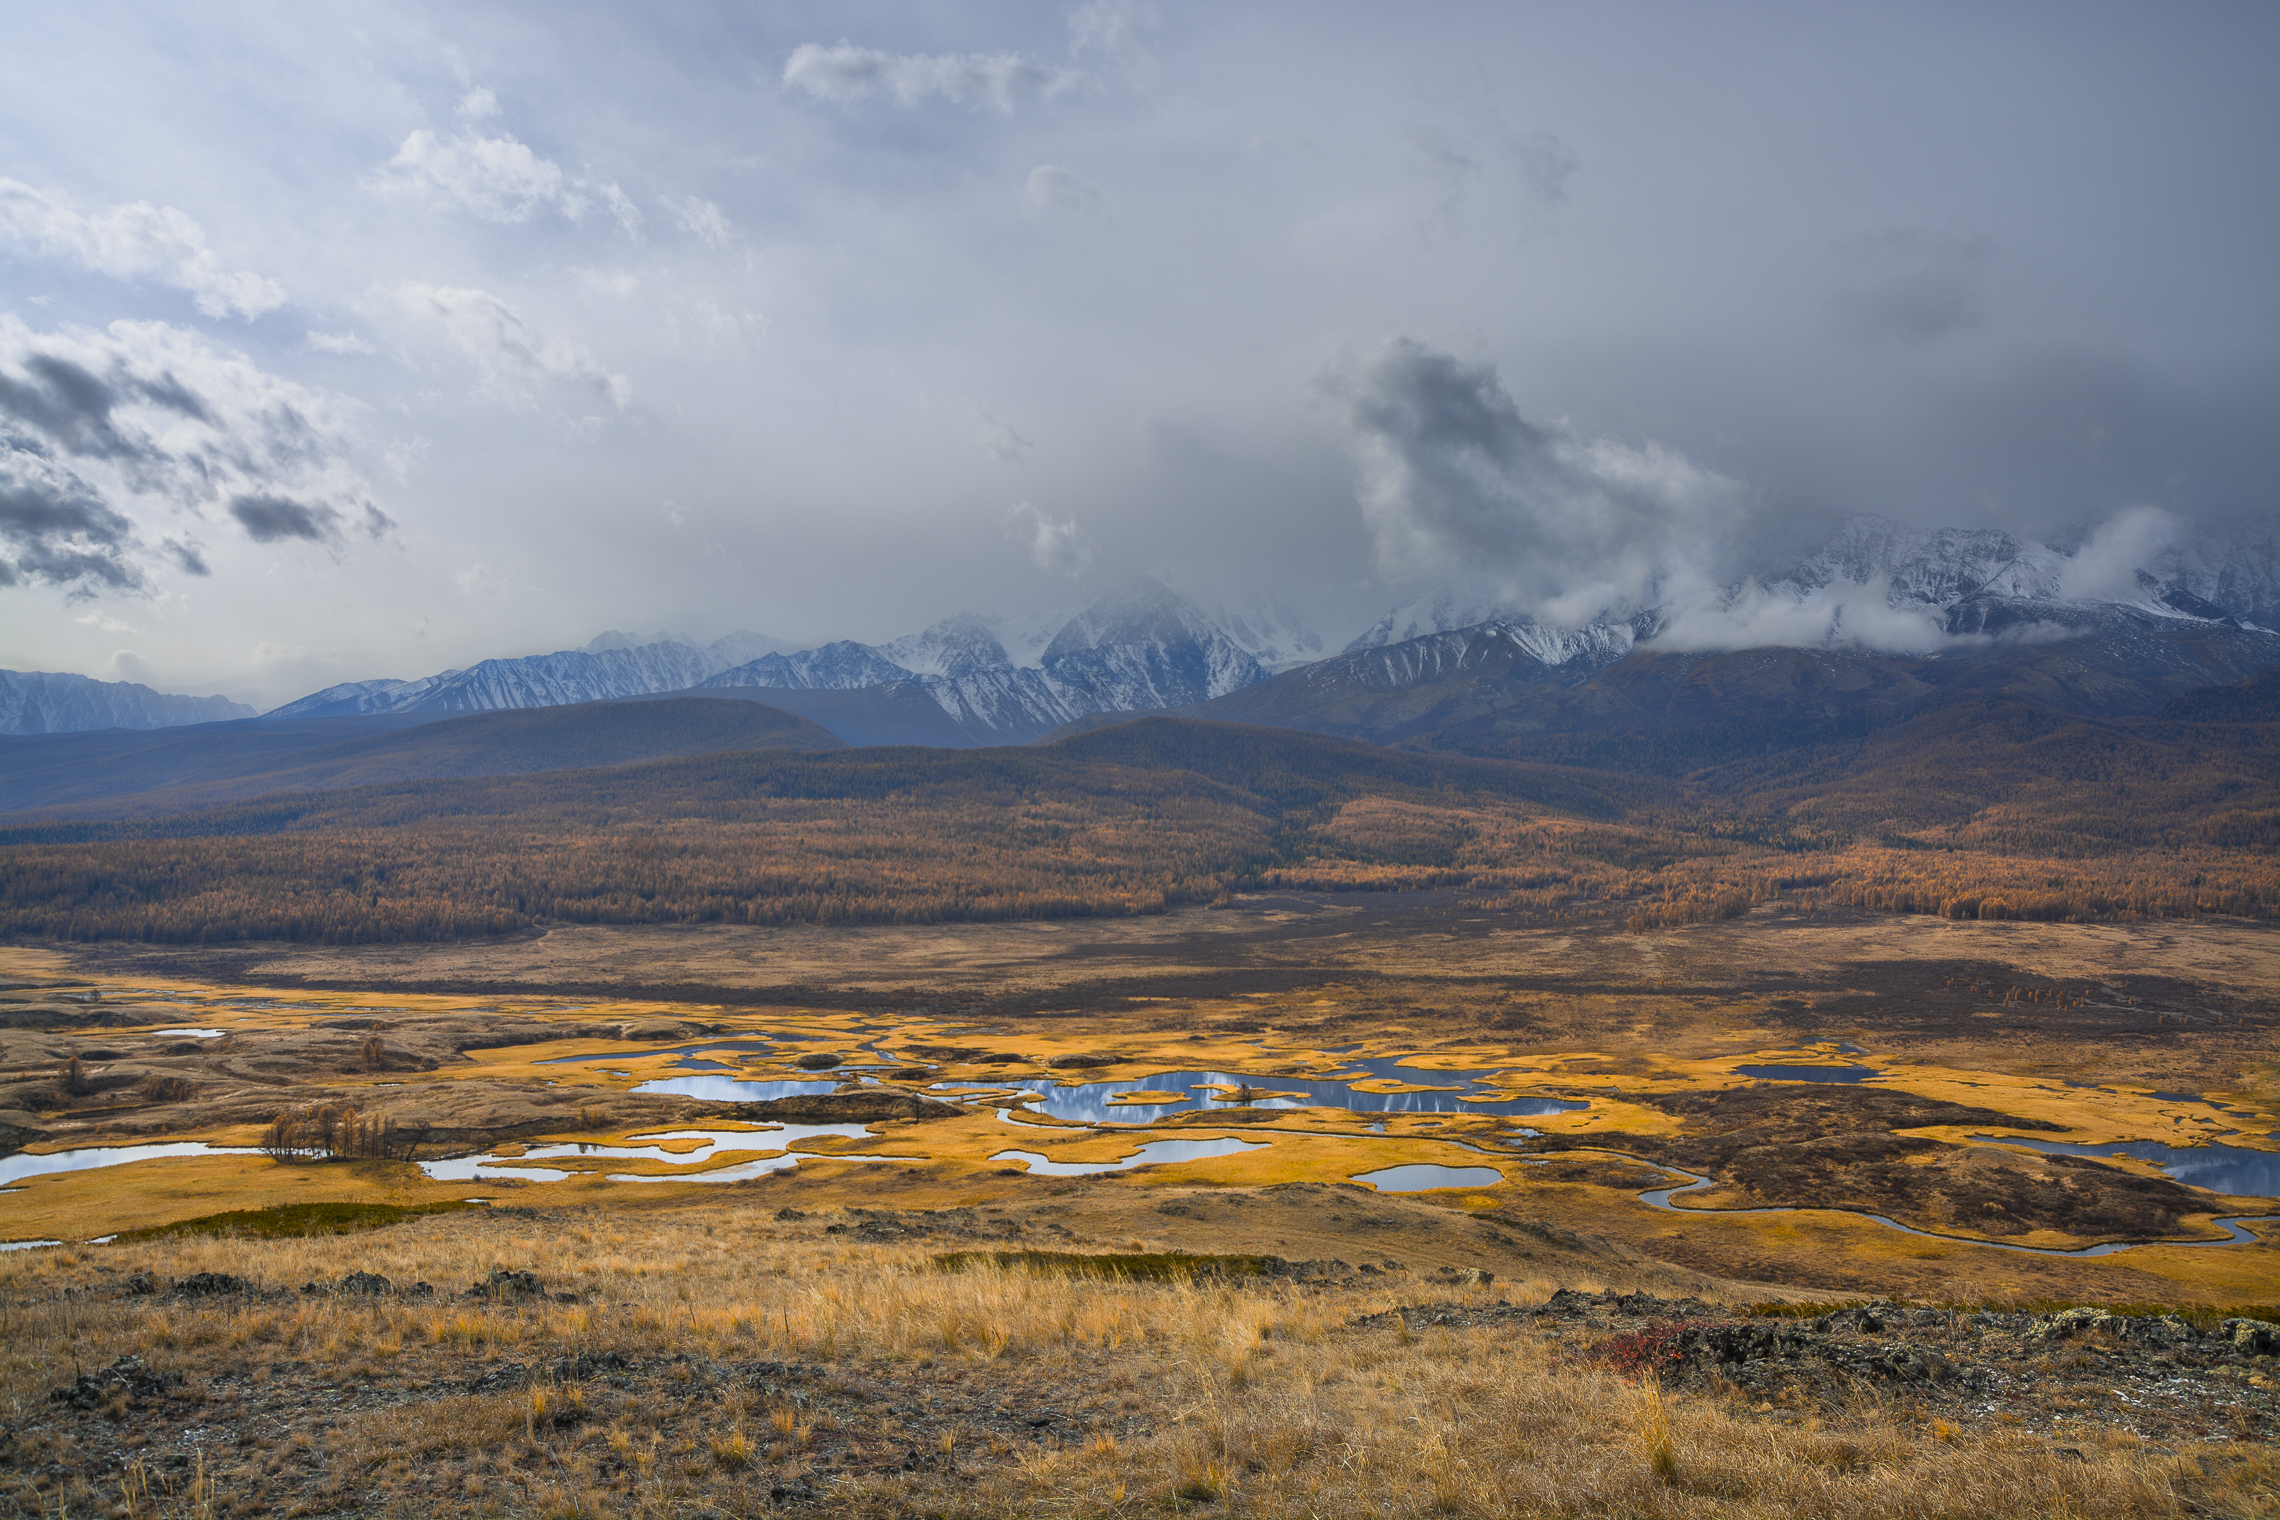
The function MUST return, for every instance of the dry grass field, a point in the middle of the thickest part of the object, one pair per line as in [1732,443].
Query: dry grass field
[741,1359]
[791,1342]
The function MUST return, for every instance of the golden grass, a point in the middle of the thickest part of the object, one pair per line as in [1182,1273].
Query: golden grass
[1253,1397]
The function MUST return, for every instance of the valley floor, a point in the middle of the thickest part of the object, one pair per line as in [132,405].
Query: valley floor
[790,1339]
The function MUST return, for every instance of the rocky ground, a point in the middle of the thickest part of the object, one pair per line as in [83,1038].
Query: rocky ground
[325,1425]
[2162,1378]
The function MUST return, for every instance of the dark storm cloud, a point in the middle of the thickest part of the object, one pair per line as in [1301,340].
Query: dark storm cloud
[54,526]
[187,556]
[1454,480]
[152,418]
[66,403]
[266,519]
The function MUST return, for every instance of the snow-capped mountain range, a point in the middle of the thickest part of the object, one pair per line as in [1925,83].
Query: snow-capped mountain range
[50,702]
[1144,647]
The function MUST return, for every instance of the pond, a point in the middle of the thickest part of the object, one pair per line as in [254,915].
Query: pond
[1809,1073]
[23,1164]
[2228,1169]
[1660,1198]
[1423,1177]
[712,1143]
[1448,1092]
[1154,1153]
[735,1089]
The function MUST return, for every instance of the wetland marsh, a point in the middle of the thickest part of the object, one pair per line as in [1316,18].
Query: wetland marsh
[1380,1101]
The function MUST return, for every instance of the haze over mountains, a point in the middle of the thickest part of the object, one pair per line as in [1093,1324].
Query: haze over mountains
[1974,599]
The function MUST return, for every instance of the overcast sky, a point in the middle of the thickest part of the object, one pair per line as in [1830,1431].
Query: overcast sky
[351,341]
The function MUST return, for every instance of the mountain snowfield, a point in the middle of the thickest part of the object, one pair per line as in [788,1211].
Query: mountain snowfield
[1875,585]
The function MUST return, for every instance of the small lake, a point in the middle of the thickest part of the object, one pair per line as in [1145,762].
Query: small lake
[1423,1177]
[1660,1198]
[1154,1153]
[22,1165]
[1809,1073]
[1445,1092]
[735,1089]
[711,1144]
[2228,1169]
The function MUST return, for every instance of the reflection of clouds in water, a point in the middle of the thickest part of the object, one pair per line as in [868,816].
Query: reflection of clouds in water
[2228,1169]
[713,1142]
[1422,1177]
[733,1089]
[16,1168]
[1090,1102]
[1154,1153]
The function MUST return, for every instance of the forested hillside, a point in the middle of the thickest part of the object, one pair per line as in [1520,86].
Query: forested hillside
[1994,810]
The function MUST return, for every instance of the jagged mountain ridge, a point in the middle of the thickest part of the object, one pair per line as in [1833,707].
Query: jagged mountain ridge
[1141,647]
[53,702]
[1991,616]
[1964,581]
[1138,649]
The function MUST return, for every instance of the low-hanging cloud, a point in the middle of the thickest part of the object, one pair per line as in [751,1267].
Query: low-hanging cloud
[1453,480]
[134,241]
[1056,546]
[2118,552]
[103,434]
[513,360]
[846,73]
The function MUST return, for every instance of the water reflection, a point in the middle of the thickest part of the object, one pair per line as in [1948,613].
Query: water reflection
[711,1144]
[1154,1153]
[1089,1102]
[1660,1198]
[1423,1177]
[2228,1169]
[735,1089]
[17,1167]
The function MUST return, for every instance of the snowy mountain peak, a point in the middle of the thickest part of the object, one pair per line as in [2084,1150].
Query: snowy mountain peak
[1933,567]
[955,646]
[48,702]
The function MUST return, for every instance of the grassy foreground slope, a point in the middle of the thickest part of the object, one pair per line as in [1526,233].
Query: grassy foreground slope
[1979,809]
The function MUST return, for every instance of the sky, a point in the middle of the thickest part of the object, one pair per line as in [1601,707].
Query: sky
[340,342]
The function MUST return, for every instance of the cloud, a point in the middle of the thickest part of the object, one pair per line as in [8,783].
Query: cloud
[1844,614]
[1119,29]
[1054,187]
[2106,568]
[998,437]
[622,207]
[188,554]
[1057,548]
[267,519]
[1911,284]
[135,241]
[1453,480]
[498,178]
[100,432]
[701,219]
[512,359]
[337,343]
[847,73]
[479,104]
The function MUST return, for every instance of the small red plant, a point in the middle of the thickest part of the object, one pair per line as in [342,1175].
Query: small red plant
[1641,1354]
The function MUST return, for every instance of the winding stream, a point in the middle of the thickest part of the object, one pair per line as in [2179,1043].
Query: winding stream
[1660,1198]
